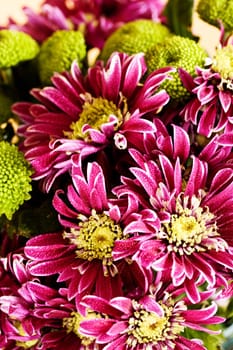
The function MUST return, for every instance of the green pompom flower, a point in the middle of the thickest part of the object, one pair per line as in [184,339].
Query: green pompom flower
[213,11]
[15,179]
[16,47]
[135,36]
[59,51]
[223,62]
[177,52]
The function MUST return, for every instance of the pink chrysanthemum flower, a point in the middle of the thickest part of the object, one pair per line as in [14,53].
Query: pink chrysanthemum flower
[19,328]
[96,18]
[33,315]
[109,107]
[95,229]
[61,323]
[193,243]
[155,321]
[211,105]
[43,24]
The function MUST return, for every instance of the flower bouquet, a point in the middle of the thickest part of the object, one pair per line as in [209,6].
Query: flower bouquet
[116,177]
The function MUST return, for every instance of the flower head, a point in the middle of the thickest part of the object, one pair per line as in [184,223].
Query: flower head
[177,52]
[18,327]
[58,52]
[154,321]
[214,12]
[15,179]
[210,105]
[134,37]
[85,253]
[16,47]
[98,19]
[192,244]
[109,107]
[42,25]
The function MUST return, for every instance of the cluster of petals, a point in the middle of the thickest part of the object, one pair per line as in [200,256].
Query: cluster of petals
[34,315]
[193,243]
[49,140]
[141,187]
[18,324]
[90,264]
[98,19]
[154,321]
[210,107]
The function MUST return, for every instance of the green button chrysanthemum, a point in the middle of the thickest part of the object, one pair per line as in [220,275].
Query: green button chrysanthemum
[177,52]
[223,62]
[16,47]
[59,51]
[15,179]
[213,11]
[134,37]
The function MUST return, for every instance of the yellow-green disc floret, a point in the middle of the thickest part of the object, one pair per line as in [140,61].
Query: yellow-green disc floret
[135,36]
[223,62]
[16,47]
[15,179]
[59,51]
[213,11]
[177,52]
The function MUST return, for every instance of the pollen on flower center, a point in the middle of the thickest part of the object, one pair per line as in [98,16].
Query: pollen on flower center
[95,113]
[148,327]
[72,323]
[186,233]
[223,62]
[27,344]
[95,238]
[185,228]
[191,230]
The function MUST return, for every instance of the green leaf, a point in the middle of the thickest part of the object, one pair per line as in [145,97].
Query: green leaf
[210,341]
[229,312]
[179,15]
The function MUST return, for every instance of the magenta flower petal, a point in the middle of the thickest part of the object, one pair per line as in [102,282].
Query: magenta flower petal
[225,99]
[80,116]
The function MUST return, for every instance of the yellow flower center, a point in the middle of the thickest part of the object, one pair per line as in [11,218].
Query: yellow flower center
[24,344]
[148,327]
[96,112]
[223,64]
[95,238]
[185,229]
[191,230]
[72,325]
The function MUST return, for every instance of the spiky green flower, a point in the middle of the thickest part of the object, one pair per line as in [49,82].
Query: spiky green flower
[211,11]
[16,47]
[59,51]
[15,179]
[177,52]
[135,36]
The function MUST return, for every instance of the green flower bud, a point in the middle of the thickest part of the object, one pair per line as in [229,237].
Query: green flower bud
[15,178]
[16,47]
[59,51]
[211,11]
[177,52]
[135,36]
